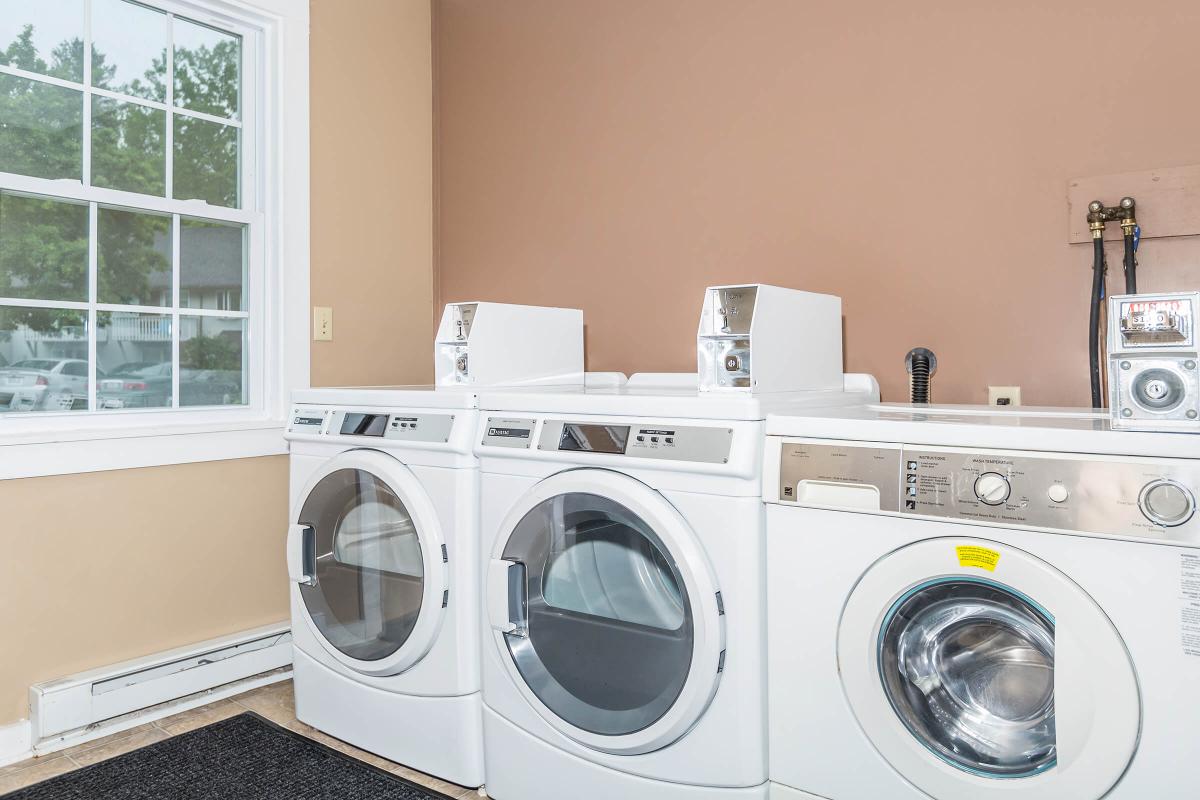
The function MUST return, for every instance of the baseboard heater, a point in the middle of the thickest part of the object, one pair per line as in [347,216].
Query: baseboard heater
[67,708]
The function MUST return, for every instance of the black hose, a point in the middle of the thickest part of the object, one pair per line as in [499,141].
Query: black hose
[1130,264]
[921,364]
[1094,318]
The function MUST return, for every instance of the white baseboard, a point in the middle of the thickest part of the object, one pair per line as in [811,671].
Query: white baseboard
[16,742]
[85,706]
[161,711]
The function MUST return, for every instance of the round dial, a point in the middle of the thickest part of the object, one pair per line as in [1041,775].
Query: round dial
[992,488]
[1167,503]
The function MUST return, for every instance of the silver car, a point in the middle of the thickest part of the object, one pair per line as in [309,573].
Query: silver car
[44,384]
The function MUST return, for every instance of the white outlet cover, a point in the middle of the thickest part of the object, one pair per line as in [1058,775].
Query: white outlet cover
[998,393]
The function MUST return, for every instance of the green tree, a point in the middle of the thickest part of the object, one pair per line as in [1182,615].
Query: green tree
[211,352]
[43,243]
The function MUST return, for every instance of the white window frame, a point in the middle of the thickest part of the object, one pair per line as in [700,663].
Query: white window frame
[275,113]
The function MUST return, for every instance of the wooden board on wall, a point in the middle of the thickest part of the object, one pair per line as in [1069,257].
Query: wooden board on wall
[1168,201]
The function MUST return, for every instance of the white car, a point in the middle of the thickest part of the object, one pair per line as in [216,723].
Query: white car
[44,384]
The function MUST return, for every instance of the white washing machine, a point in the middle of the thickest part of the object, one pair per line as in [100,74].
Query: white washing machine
[974,605]
[623,565]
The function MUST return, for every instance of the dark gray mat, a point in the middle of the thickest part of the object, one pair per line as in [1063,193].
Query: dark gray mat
[241,758]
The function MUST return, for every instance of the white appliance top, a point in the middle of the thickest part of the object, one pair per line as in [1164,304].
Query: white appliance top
[427,396]
[390,396]
[668,395]
[1066,430]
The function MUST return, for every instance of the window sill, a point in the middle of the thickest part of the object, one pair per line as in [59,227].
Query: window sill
[28,452]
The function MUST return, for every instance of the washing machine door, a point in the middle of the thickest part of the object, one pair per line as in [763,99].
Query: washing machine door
[606,611]
[365,552]
[978,670]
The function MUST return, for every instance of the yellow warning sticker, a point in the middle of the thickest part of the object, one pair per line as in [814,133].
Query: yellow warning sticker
[982,557]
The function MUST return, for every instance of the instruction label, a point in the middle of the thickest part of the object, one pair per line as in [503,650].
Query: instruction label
[1189,598]
[975,556]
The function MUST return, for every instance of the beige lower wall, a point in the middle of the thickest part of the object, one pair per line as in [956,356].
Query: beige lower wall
[108,566]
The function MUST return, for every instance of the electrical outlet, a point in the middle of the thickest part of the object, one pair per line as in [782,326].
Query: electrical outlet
[1004,395]
[322,324]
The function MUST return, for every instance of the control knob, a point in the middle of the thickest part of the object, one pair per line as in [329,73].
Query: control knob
[1166,503]
[992,488]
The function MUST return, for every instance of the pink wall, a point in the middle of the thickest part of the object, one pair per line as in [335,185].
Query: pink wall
[910,157]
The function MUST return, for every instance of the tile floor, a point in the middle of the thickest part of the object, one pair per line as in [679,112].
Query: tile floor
[275,702]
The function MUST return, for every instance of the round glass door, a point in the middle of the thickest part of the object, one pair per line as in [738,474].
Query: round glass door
[369,566]
[968,666]
[606,642]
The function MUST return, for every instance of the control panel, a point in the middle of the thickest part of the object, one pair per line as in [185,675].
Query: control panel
[407,426]
[509,432]
[1137,497]
[693,443]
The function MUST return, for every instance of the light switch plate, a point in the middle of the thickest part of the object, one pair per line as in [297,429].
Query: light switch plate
[322,324]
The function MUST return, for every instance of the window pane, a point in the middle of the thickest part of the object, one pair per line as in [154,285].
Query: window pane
[129,49]
[40,129]
[128,151]
[212,267]
[44,36]
[43,359]
[43,249]
[208,66]
[134,254]
[134,353]
[211,368]
[206,162]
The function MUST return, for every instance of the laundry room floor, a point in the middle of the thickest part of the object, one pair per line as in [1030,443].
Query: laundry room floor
[275,702]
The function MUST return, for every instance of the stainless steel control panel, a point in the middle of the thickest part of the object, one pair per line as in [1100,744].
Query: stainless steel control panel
[509,432]
[307,420]
[1137,497]
[667,442]
[371,424]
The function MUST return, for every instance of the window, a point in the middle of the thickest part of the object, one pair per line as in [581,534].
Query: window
[129,209]
[153,230]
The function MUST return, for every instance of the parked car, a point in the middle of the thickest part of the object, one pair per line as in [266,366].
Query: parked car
[44,384]
[144,386]
[150,387]
[210,387]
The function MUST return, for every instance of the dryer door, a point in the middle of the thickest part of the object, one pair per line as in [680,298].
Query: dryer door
[365,553]
[978,670]
[606,611]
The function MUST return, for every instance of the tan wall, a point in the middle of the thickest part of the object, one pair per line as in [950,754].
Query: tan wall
[372,196]
[117,565]
[911,157]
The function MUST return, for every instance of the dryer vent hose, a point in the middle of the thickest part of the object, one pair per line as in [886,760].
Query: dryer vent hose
[921,364]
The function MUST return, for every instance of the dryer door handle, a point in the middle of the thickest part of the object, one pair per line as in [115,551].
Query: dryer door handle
[506,596]
[302,555]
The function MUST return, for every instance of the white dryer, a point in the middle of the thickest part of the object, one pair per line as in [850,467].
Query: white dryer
[383,557]
[623,563]
[967,605]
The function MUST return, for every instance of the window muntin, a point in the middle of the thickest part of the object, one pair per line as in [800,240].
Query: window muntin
[146,262]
